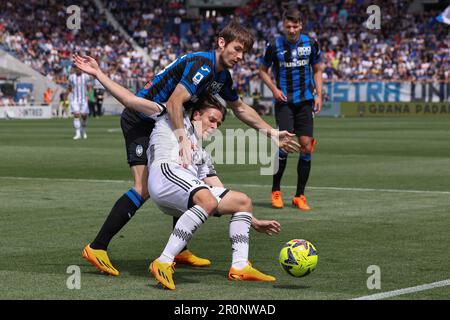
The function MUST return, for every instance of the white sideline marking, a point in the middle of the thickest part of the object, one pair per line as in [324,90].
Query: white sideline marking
[114,130]
[394,293]
[347,189]
[238,184]
[66,180]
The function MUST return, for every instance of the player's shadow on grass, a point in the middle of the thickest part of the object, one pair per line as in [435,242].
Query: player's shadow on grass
[290,286]
[262,204]
[139,268]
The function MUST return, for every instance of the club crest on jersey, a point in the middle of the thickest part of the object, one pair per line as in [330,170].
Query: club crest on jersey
[139,150]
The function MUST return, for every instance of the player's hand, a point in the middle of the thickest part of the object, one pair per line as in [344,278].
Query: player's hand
[279,95]
[185,151]
[269,227]
[318,104]
[288,142]
[86,64]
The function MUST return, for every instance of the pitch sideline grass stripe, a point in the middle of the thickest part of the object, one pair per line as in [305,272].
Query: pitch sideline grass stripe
[237,184]
[390,294]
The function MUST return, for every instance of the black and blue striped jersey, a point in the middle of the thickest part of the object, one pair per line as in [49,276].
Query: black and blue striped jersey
[292,66]
[197,73]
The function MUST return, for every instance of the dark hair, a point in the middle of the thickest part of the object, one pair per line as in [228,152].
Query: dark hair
[209,101]
[292,14]
[235,31]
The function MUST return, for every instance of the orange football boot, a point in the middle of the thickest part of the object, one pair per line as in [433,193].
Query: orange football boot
[248,274]
[277,201]
[99,259]
[188,258]
[300,202]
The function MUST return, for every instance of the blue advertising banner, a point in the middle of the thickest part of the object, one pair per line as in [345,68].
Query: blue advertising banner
[377,91]
[22,89]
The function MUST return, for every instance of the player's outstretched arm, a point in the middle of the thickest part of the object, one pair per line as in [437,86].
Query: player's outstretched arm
[285,140]
[269,227]
[175,112]
[124,96]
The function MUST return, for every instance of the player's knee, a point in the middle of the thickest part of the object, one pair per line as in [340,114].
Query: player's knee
[208,203]
[142,190]
[306,148]
[245,203]
[211,206]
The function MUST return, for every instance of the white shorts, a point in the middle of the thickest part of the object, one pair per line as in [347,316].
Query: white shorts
[79,107]
[172,187]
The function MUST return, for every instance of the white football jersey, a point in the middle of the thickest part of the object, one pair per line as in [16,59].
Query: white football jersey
[79,87]
[164,147]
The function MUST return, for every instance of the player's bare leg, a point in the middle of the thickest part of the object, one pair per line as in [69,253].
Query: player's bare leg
[140,177]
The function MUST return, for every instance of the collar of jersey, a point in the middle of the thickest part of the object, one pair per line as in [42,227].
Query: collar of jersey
[214,61]
[296,42]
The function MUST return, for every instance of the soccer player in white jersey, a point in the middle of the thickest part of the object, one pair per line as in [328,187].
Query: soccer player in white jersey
[174,197]
[182,192]
[78,82]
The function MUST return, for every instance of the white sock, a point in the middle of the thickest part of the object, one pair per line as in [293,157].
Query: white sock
[240,223]
[77,125]
[188,223]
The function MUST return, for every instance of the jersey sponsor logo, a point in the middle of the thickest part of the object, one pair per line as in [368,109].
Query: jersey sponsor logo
[148,85]
[215,87]
[139,150]
[295,63]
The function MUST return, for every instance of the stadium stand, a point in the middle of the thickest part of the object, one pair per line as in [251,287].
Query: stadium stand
[408,47]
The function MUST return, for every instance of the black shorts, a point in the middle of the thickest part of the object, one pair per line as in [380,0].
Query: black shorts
[295,118]
[136,132]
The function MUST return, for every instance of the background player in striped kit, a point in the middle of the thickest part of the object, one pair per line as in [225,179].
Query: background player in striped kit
[79,102]
[295,61]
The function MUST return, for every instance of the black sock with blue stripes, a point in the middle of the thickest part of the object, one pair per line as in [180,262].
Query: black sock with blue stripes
[282,161]
[303,169]
[120,214]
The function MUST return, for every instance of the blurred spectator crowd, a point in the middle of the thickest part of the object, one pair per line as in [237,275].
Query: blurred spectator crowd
[408,47]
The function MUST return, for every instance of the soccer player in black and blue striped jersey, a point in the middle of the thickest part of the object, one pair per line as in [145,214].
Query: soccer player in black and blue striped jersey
[295,61]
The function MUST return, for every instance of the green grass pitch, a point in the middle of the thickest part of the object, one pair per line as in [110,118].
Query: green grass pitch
[364,189]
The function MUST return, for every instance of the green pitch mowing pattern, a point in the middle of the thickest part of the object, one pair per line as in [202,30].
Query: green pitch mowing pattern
[56,192]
